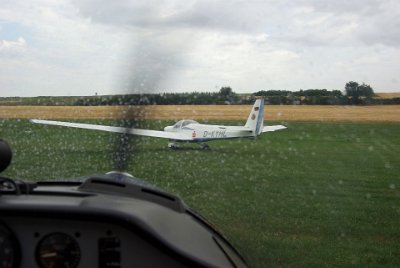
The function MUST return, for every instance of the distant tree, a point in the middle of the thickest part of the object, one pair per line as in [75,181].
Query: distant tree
[337,93]
[366,90]
[260,93]
[355,92]
[275,93]
[227,95]
[225,91]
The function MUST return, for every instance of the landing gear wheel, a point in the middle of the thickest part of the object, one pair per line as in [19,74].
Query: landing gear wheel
[204,146]
[173,146]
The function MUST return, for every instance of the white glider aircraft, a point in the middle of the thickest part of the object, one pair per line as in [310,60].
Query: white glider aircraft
[189,130]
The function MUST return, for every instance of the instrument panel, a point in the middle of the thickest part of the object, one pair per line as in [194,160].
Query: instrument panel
[106,221]
[51,243]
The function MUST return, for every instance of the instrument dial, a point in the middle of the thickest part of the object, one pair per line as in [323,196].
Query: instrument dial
[58,250]
[9,249]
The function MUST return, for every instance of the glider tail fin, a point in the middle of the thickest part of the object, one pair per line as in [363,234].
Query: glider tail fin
[255,121]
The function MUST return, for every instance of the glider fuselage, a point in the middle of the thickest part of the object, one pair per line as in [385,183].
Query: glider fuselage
[204,132]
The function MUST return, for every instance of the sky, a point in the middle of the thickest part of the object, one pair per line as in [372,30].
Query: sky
[88,47]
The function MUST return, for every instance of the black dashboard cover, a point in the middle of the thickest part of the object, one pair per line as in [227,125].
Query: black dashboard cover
[160,218]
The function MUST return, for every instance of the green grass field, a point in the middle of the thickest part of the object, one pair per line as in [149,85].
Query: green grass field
[316,194]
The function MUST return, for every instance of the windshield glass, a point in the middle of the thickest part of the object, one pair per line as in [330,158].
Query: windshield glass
[187,122]
[178,124]
[313,180]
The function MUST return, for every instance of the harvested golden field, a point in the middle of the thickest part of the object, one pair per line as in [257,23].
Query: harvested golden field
[378,113]
[388,95]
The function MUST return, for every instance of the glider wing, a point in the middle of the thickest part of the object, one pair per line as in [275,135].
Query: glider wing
[132,131]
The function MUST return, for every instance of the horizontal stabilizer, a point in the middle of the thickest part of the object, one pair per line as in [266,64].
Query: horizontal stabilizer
[273,128]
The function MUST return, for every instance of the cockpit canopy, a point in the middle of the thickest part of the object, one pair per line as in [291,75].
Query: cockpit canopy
[183,123]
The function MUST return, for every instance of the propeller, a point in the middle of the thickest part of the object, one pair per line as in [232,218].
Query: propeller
[122,148]
[148,67]
[5,155]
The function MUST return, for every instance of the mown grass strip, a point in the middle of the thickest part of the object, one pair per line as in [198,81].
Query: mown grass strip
[316,194]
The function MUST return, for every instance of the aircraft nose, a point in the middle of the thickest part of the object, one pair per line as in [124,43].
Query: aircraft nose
[168,128]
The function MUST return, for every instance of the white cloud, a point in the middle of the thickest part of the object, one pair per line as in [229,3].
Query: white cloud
[87,46]
[8,47]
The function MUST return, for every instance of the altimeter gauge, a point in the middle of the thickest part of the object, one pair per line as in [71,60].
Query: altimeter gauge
[58,250]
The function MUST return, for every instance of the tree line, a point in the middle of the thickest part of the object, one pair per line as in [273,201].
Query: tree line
[199,98]
[353,94]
